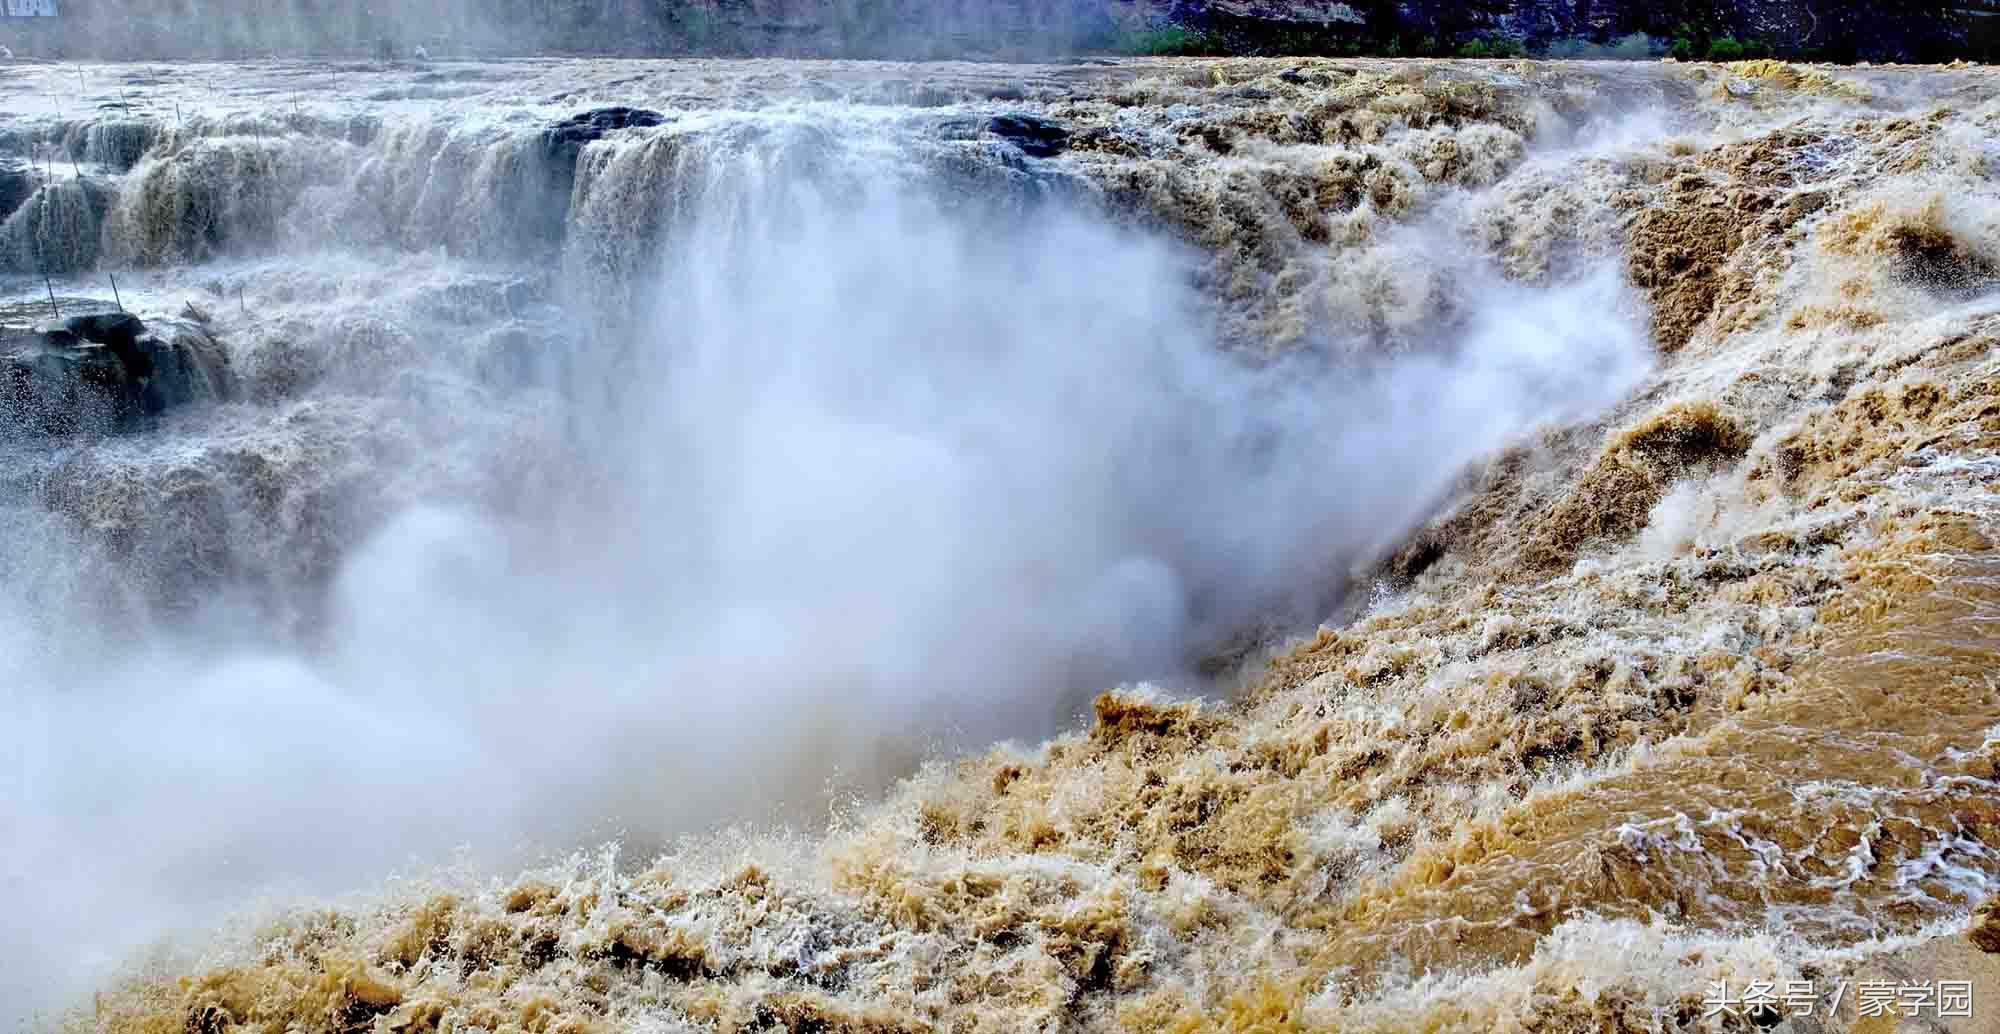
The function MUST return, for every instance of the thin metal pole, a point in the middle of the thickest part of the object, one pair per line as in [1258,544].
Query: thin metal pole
[114,290]
[52,292]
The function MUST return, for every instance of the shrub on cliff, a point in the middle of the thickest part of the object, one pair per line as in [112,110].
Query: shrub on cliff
[1498,47]
[1166,41]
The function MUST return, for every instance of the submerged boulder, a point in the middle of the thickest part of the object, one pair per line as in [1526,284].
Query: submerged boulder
[118,331]
[108,373]
[540,192]
[565,140]
[17,185]
[1036,137]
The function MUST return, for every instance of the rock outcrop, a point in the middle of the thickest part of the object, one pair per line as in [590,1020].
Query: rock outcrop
[17,185]
[1840,29]
[1837,29]
[562,142]
[107,373]
[1036,137]
[1918,29]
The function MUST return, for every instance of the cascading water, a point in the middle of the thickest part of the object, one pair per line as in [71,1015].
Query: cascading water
[588,472]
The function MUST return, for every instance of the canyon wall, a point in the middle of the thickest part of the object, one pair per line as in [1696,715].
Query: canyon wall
[1914,30]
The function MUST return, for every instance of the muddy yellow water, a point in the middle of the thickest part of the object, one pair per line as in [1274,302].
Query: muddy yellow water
[1859,803]
[1699,689]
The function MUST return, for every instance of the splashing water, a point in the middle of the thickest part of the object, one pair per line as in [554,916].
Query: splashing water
[752,457]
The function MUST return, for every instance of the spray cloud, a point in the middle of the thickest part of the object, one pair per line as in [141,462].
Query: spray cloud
[865,474]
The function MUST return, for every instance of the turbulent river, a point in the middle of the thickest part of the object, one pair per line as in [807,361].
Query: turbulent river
[1437,546]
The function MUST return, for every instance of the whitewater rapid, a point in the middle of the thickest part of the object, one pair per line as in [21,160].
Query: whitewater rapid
[806,427]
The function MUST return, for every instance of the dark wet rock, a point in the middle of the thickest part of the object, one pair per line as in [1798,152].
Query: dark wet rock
[542,193]
[1003,184]
[1935,259]
[118,331]
[565,140]
[108,373]
[17,184]
[1036,137]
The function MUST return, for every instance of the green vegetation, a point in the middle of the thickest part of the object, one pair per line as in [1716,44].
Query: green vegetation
[1699,41]
[1166,41]
[1723,48]
[1500,46]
